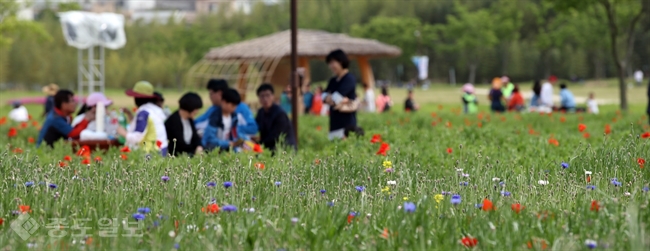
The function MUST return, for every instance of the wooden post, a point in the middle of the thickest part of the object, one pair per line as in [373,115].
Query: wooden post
[242,81]
[366,72]
[294,66]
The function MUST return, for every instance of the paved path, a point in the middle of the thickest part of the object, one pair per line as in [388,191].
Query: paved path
[556,98]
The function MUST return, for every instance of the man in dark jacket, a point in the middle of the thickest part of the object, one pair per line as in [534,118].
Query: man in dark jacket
[272,121]
[57,124]
[181,132]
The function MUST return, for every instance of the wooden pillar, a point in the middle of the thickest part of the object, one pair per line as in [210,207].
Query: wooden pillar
[366,72]
[242,82]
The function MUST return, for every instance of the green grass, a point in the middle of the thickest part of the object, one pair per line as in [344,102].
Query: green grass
[502,148]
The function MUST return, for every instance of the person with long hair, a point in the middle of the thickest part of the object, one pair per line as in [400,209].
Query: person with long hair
[383,101]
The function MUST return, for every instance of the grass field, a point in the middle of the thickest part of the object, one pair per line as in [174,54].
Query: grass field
[431,191]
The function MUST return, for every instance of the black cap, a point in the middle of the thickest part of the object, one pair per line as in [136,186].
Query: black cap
[217,85]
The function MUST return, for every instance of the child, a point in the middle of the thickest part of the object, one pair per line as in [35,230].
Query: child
[496,96]
[592,105]
[516,102]
[19,113]
[147,130]
[470,103]
[409,104]
[383,101]
[221,132]
[180,126]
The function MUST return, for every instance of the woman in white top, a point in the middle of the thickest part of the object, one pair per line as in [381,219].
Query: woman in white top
[19,113]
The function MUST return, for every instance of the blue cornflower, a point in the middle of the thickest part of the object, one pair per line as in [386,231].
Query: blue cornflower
[164,178]
[211,184]
[177,246]
[353,214]
[505,193]
[29,183]
[409,207]
[565,165]
[322,191]
[53,186]
[227,184]
[229,208]
[330,203]
[615,182]
[144,210]
[360,188]
[464,183]
[502,183]
[646,189]
[278,183]
[138,216]
[591,244]
[591,187]
[455,199]
[479,206]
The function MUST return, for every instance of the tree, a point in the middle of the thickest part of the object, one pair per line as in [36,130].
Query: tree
[470,34]
[621,17]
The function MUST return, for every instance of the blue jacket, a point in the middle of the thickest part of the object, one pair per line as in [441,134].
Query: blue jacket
[246,126]
[211,139]
[566,99]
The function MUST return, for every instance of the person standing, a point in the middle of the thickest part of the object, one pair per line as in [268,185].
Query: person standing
[340,90]
[383,102]
[180,128]
[57,124]
[246,121]
[272,121]
[546,96]
[49,90]
[369,98]
[496,96]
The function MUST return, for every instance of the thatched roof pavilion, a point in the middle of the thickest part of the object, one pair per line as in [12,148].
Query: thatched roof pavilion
[266,59]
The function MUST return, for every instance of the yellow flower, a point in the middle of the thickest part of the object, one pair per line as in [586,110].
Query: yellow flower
[405,198]
[438,198]
[387,164]
[385,190]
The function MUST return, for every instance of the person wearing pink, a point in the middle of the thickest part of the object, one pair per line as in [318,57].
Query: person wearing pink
[383,101]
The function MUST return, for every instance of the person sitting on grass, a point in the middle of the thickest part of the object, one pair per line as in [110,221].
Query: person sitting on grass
[222,133]
[516,102]
[409,104]
[246,121]
[567,100]
[180,126]
[272,121]
[147,130]
[90,106]
[592,104]
[57,123]
[19,113]
[496,96]
[470,102]
[161,103]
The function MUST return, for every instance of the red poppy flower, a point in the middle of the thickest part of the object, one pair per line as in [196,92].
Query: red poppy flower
[18,150]
[385,234]
[24,209]
[562,119]
[158,143]
[212,208]
[582,127]
[318,128]
[123,156]
[645,135]
[641,162]
[63,164]
[586,135]
[543,245]
[1,221]
[594,206]
[469,241]
[350,218]
[479,124]
[257,148]
[532,132]
[3,120]
[488,206]
[35,123]
[23,125]
[259,165]
[86,161]
[449,150]
[448,124]
[125,149]
[84,151]
[376,138]
[12,132]
[317,162]
[67,158]
[433,114]
[588,178]
[516,207]
[31,140]
[383,148]
[608,129]
[553,141]
[98,159]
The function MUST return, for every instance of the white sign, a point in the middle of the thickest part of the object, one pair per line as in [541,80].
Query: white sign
[83,30]
[422,63]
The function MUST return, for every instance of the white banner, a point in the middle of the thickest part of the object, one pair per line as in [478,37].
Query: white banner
[83,30]
[422,63]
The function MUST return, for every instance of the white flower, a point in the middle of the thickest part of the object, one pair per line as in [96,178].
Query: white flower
[465,175]
[627,194]
[294,220]
[542,182]
[460,170]
[392,182]
[251,210]
[495,179]
[172,234]
[587,172]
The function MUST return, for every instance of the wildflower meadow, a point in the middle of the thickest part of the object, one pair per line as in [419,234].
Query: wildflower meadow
[429,180]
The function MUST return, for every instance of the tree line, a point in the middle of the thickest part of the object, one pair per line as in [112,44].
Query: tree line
[478,39]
